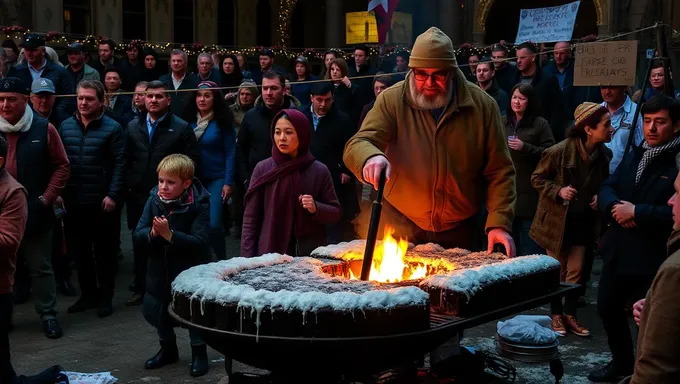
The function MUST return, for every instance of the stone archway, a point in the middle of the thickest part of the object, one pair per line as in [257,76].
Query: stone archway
[483,7]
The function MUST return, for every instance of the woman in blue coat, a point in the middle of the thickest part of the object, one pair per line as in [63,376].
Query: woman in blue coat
[213,125]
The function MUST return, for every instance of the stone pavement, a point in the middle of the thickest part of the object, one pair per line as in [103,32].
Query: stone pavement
[122,342]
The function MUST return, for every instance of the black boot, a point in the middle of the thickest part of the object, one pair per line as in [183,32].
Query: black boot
[199,361]
[613,372]
[168,354]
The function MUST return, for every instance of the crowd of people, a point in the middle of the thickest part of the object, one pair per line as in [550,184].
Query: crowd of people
[503,150]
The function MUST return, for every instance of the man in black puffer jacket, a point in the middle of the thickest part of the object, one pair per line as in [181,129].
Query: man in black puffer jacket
[94,145]
[151,137]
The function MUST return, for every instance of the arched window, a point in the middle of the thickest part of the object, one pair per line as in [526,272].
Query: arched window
[226,23]
[134,20]
[264,23]
[77,17]
[184,21]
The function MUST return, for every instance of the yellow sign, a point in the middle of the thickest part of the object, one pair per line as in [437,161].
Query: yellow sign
[401,31]
[360,27]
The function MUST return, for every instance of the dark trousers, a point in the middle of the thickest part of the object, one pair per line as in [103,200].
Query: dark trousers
[156,313]
[236,209]
[7,373]
[614,292]
[61,261]
[91,237]
[135,208]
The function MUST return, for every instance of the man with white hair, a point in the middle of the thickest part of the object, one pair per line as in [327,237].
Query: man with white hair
[206,68]
[441,141]
[179,79]
[37,65]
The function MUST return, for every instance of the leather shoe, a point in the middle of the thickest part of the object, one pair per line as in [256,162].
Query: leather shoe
[199,361]
[135,300]
[168,354]
[610,373]
[81,305]
[52,329]
[67,289]
[104,310]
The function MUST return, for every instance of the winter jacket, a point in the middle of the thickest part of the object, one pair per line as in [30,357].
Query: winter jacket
[658,344]
[214,76]
[506,77]
[64,107]
[445,171]
[573,96]
[555,171]
[502,99]
[122,110]
[218,151]
[13,218]
[131,73]
[178,99]
[89,73]
[640,250]
[101,68]
[97,157]
[189,219]
[262,230]
[239,112]
[537,137]
[552,102]
[302,91]
[172,135]
[347,100]
[254,142]
[362,89]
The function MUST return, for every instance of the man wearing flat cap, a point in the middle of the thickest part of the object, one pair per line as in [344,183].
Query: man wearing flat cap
[37,65]
[36,158]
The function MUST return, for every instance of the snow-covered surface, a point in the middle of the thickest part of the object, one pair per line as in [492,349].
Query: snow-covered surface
[469,281]
[348,251]
[281,282]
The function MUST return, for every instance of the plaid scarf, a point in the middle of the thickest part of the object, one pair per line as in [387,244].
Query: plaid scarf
[651,153]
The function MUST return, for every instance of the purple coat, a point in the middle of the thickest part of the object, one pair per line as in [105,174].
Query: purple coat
[263,233]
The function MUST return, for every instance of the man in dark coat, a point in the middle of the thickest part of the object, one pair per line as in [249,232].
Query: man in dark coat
[254,142]
[37,65]
[547,87]
[362,67]
[94,144]
[506,72]
[179,79]
[635,201]
[331,130]
[118,106]
[106,50]
[131,68]
[486,80]
[150,137]
[562,67]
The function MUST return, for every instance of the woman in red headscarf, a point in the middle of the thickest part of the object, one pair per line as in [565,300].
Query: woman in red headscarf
[291,196]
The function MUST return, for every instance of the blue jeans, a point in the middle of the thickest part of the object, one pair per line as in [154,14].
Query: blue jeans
[156,313]
[525,245]
[217,243]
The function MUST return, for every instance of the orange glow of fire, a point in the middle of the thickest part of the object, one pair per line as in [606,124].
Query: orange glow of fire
[389,264]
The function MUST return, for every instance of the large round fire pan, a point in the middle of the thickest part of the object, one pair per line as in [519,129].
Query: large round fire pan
[358,355]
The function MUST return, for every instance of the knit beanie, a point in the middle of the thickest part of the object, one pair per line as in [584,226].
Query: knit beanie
[251,86]
[433,49]
[584,111]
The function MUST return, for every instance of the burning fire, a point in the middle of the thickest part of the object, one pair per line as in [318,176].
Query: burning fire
[389,264]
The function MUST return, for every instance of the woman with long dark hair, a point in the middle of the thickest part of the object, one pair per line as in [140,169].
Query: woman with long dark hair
[291,197]
[568,179]
[345,90]
[231,76]
[528,136]
[213,124]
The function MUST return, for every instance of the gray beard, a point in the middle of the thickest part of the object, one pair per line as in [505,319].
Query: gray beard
[423,102]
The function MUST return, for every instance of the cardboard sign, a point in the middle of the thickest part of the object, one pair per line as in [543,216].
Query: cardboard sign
[605,63]
[546,25]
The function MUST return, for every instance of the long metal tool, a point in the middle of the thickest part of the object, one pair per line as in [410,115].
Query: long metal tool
[372,236]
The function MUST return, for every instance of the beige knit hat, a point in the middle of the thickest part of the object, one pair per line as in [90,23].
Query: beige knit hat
[584,111]
[433,49]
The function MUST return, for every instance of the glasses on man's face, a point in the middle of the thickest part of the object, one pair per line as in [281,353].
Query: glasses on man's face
[437,76]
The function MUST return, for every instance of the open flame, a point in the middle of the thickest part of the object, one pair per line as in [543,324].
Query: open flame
[389,264]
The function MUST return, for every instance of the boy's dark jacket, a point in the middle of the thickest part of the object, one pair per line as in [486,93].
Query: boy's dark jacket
[190,221]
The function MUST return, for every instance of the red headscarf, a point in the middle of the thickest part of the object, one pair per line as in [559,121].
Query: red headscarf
[285,177]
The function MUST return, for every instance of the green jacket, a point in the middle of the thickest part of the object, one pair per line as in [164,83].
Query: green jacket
[90,73]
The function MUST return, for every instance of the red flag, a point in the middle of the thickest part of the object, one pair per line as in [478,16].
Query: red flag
[383,16]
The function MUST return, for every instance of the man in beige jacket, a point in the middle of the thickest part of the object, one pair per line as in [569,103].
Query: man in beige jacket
[441,140]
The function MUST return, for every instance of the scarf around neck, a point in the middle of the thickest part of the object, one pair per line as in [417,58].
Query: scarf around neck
[651,153]
[202,123]
[23,125]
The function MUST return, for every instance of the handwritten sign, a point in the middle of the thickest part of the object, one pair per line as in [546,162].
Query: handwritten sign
[546,25]
[605,63]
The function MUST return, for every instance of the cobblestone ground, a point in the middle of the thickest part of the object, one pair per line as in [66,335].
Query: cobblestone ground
[122,342]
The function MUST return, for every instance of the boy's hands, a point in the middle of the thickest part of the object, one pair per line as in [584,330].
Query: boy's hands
[161,228]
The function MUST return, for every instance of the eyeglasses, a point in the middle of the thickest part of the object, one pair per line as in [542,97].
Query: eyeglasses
[438,76]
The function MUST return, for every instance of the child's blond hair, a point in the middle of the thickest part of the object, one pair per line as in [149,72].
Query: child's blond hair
[177,165]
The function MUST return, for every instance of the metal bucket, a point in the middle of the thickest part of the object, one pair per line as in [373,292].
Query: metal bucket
[527,353]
